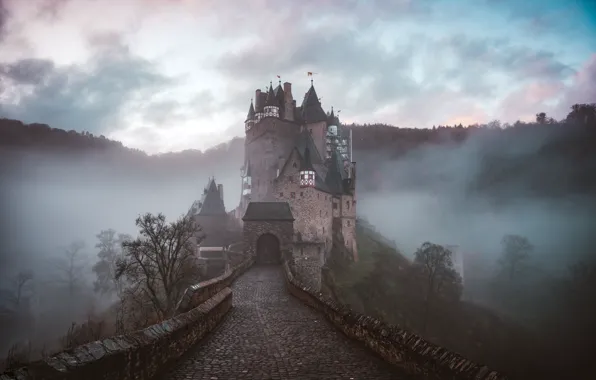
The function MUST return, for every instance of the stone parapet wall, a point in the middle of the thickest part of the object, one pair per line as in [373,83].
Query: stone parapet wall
[308,261]
[137,356]
[142,354]
[397,346]
[199,293]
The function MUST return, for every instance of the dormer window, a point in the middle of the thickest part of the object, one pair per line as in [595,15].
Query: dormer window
[307,178]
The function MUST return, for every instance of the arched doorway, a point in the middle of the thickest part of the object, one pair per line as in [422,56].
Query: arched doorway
[268,250]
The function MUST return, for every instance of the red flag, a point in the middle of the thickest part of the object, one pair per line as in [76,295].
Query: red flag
[309,74]
[278,76]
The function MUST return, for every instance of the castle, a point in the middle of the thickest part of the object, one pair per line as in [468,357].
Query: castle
[301,155]
[298,185]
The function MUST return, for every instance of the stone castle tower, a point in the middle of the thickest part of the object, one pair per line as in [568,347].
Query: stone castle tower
[301,155]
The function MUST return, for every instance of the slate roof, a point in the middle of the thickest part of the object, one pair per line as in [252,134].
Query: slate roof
[212,202]
[271,98]
[273,211]
[304,141]
[311,109]
[279,93]
[332,119]
[305,163]
[334,179]
[251,112]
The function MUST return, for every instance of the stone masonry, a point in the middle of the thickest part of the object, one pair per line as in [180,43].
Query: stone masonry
[271,335]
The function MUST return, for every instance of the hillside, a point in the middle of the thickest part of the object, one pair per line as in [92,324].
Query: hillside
[526,158]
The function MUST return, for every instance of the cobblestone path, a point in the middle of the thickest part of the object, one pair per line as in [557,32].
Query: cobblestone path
[269,334]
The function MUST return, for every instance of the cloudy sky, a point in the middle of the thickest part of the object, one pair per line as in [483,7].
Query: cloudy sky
[164,75]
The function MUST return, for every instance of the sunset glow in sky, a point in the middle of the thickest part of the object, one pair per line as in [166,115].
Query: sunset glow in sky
[164,75]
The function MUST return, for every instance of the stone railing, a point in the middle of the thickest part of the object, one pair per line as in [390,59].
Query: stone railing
[397,346]
[199,293]
[141,355]
[136,356]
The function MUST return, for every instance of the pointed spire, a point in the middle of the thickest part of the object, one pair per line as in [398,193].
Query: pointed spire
[271,98]
[251,112]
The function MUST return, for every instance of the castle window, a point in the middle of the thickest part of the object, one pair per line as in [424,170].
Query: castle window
[320,212]
[318,195]
[323,229]
[348,223]
[293,195]
[348,204]
[281,194]
[291,178]
[294,164]
[335,206]
[302,193]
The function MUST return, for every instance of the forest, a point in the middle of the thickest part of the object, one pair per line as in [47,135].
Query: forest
[526,299]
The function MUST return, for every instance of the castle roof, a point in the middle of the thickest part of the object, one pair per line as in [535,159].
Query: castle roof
[311,109]
[305,163]
[278,211]
[251,112]
[304,141]
[332,119]
[271,98]
[212,203]
[334,179]
[279,93]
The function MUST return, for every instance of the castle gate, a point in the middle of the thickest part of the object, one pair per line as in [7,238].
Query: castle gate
[268,231]
[268,249]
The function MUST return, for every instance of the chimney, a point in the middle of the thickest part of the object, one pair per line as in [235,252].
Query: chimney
[220,189]
[258,106]
[290,104]
[288,89]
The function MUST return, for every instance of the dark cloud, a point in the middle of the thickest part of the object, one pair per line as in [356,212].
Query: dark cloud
[27,71]
[4,15]
[503,55]
[90,97]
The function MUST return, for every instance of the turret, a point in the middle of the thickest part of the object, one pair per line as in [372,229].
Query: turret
[272,104]
[307,171]
[250,118]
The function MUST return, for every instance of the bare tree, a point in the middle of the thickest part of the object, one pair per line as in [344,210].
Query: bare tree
[161,263]
[71,267]
[516,252]
[22,286]
[110,250]
[434,262]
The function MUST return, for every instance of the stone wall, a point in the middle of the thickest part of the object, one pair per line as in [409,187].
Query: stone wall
[397,346]
[199,293]
[308,260]
[137,356]
[142,354]
[310,207]
[283,230]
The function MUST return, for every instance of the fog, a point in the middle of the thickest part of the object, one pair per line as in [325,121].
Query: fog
[53,201]
[50,201]
[433,194]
